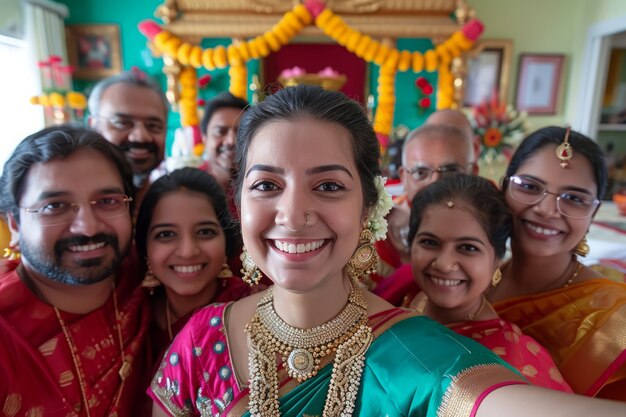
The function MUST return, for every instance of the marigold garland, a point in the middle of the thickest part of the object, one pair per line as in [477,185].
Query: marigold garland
[187,103]
[388,58]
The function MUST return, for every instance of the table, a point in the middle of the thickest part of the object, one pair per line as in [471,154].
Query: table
[607,235]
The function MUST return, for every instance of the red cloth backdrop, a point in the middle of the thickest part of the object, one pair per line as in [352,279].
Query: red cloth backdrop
[315,57]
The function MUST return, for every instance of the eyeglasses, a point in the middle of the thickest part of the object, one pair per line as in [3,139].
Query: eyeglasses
[124,124]
[573,204]
[58,212]
[423,173]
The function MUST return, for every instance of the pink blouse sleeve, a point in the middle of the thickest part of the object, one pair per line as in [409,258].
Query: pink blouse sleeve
[196,375]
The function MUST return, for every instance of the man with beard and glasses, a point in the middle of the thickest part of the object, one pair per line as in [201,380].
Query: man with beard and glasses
[219,126]
[73,319]
[130,111]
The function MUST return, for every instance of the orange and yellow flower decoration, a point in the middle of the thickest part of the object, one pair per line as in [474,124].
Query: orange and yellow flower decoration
[499,127]
[371,50]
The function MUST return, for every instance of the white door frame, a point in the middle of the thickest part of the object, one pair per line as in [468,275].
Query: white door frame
[594,71]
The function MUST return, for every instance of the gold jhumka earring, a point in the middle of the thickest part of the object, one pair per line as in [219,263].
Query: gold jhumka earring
[564,151]
[149,280]
[365,258]
[225,273]
[496,277]
[582,249]
[12,253]
[250,273]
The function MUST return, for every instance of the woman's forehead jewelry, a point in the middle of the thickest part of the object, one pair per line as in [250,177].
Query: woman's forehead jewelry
[450,204]
[564,151]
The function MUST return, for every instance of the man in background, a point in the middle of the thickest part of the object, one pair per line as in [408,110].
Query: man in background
[429,152]
[130,111]
[219,126]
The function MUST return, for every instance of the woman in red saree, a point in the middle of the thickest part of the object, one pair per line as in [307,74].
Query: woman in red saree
[553,186]
[458,229]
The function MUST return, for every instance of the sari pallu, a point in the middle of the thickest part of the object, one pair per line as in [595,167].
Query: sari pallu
[414,367]
[38,372]
[583,328]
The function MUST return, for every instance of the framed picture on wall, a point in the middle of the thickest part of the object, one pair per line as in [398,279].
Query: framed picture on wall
[539,83]
[488,69]
[94,50]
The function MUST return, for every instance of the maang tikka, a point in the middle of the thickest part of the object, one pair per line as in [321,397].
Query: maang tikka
[564,151]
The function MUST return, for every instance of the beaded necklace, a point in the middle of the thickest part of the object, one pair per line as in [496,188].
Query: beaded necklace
[348,336]
[125,368]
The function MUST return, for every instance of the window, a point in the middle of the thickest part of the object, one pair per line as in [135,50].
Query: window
[18,83]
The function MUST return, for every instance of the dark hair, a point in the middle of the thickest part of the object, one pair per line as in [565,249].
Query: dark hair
[487,203]
[191,179]
[220,101]
[135,78]
[53,143]
[293,103]
[581,144]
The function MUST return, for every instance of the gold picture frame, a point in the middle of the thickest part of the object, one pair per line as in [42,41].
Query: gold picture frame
[94,50]
[488,70]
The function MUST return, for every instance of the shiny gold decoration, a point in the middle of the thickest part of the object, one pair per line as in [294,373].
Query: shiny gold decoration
[149,280]
[327,83]
[348,336]
[193,20]
[365,258]
[225,273]
[496,277]
[66,377]
[250,273]
[12,254]
[571,279]
[125,368]
[564,151]
[12,404]
[582,248]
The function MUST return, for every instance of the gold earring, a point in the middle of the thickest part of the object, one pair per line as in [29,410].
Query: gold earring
[582,249]
[225,273]
[365,258]
[250,273]
[149,280]
[496,277]
[12,253]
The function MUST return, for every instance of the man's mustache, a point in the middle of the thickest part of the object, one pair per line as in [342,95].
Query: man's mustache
[128,145]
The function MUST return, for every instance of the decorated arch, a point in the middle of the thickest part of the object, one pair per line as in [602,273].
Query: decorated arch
[179,44]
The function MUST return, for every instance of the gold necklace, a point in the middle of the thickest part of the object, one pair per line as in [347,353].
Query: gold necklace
[75,359]
[574,275]
[124,370]
[347,335]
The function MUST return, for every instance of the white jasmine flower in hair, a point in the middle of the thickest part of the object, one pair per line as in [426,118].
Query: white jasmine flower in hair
[377,222]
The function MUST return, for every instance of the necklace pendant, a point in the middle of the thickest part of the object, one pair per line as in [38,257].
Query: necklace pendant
[301,364]
[125,370]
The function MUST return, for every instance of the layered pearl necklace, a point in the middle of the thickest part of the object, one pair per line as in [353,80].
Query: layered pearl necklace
[348,336]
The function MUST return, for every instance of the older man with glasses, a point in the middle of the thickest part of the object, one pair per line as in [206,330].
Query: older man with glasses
[73,319]
[429,152]
[130,111]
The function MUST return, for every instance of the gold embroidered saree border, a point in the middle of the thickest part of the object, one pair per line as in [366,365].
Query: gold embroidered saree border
[605,345]
[468,386]
[380,323]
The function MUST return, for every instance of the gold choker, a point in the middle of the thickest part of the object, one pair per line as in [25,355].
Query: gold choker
[347,335]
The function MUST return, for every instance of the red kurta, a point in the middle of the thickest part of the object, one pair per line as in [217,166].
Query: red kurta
[38,372]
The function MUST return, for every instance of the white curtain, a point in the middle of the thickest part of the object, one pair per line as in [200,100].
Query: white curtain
[45,30]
